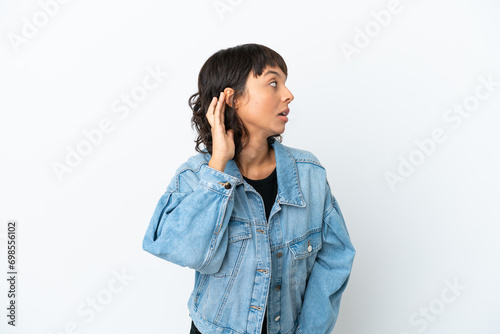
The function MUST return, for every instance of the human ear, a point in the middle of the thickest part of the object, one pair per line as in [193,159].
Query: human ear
[229,93]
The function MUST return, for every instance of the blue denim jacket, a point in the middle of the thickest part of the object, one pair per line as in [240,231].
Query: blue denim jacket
[299,261]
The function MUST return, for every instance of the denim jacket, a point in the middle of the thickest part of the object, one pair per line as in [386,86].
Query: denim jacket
[299,261]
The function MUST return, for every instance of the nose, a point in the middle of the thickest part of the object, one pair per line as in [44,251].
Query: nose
[288,96]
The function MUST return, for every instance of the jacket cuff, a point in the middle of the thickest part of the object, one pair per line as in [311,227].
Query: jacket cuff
[217,181]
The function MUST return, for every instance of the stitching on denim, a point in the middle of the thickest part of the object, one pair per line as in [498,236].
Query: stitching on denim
[209,187]
[314,230]
[246,235]
[199,290]
[298,181]
[230,284]
[220,221]
[330,210]
[178,176]
[240,219]
[314,162]
[218,173]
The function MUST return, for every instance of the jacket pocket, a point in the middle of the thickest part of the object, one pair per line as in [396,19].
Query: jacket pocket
[238,233]
[303,253]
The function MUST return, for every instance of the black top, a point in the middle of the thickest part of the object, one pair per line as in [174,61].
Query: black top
[268,189]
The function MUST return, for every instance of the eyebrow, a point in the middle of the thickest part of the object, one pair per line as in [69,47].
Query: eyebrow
[273,72]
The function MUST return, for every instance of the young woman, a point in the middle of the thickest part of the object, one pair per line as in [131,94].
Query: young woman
[256,219]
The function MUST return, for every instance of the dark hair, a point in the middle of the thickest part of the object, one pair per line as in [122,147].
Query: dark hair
[230,68]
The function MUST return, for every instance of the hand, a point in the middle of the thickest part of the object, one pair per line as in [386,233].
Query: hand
[222,142]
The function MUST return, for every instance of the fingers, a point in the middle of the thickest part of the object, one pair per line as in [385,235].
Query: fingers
[215,113]
[219,111]
[210,112]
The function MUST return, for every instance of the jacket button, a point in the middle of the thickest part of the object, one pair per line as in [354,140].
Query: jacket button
[277,318]
[227,185]
[309,248]
[278,286]
[279,255]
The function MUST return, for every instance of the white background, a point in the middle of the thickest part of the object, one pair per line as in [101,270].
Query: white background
[359,115]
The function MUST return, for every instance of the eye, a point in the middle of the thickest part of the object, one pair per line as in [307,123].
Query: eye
[274,82]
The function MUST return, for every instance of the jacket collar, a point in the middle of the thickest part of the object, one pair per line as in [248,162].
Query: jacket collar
[286,170]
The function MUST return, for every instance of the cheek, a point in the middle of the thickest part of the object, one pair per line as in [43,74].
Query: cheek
[265,104]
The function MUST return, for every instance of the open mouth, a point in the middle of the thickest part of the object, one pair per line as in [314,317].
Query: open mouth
[285,112]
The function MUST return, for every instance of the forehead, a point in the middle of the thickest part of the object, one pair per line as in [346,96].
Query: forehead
[270,71]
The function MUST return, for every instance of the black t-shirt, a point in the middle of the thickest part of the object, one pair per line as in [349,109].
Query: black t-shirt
[268,189]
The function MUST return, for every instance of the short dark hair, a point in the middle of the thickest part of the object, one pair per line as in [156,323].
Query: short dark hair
[230,68]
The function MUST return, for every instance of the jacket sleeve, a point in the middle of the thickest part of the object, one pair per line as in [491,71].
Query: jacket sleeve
[190,228]
[329,275]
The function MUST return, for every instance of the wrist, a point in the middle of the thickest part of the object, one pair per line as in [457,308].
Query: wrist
[220,165]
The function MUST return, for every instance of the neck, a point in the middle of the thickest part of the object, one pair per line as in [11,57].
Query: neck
[255,156]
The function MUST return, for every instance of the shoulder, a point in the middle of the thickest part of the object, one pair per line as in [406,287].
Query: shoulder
[304,157]
[186,176]
[310,171]
[193,163]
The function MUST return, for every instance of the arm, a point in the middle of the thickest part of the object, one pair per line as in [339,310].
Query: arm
[190,228]
[329,275]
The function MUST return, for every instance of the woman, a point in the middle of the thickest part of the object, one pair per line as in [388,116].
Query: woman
[256,219]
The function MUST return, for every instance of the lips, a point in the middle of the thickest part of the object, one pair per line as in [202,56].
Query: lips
[285,112]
